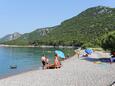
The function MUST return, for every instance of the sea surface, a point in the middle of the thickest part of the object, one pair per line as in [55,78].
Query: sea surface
[24,58]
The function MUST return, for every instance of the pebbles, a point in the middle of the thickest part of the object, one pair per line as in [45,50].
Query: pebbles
[74,72]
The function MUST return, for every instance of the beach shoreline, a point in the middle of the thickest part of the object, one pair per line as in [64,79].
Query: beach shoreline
[40,46]
[18,73]
[74,72]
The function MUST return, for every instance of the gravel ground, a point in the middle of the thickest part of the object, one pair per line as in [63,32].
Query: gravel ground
[74,72]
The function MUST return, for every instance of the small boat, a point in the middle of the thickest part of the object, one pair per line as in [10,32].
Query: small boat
[13,66]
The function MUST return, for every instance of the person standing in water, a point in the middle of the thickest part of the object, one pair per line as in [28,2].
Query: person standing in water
[45,61]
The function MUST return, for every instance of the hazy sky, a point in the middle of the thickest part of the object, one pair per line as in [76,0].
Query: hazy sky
[27,15]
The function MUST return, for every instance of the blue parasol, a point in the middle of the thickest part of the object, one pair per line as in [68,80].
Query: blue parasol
[88,51]
[60,53]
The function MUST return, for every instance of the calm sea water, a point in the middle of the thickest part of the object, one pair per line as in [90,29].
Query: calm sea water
[25,59]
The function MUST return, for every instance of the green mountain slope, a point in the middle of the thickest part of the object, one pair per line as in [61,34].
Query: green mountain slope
[10,37]
[30,38]
[85,29]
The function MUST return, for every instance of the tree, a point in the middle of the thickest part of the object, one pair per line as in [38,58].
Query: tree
[108,42]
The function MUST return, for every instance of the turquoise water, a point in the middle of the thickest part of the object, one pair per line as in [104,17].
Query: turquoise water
[25,59]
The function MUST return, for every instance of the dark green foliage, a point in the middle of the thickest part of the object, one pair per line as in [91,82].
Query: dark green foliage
[85,29]
[31,38]
[108,42]
[17,42]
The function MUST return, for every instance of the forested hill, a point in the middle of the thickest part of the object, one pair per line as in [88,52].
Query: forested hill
[85,29]
[32,37]
[10,37]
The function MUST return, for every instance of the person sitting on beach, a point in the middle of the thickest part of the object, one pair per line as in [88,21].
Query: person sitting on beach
[56,64]
[45,61]
[85,55]
[112,59]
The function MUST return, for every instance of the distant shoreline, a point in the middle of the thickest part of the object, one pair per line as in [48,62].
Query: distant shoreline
[41,46]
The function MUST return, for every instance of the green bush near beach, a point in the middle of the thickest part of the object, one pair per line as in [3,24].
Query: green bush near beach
[108,42]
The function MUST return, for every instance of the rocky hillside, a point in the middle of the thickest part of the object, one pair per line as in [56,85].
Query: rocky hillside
[10,37]
[32,37]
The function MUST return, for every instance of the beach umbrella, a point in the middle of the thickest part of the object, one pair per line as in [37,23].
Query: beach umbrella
[88,51]
[60,53]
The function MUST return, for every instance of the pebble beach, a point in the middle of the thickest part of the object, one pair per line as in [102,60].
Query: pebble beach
[74,72]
